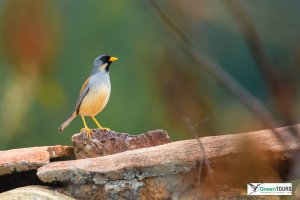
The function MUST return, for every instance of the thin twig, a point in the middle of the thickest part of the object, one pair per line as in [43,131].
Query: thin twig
[203,159]
[217,72]
[202,149]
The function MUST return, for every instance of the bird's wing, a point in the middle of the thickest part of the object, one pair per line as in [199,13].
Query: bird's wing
[83,92]
[84,85]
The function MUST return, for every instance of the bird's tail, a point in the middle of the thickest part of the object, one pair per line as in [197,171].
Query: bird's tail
[67,122]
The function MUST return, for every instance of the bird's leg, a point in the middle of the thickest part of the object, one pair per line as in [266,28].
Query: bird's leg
[86,128]
[96,122]
[99,126]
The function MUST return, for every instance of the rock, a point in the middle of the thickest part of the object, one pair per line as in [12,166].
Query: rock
[111,142]
[25,159]
[297,191]
[230,161]
[34,192]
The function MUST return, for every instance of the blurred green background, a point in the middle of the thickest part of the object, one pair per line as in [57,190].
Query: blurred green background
[47,49]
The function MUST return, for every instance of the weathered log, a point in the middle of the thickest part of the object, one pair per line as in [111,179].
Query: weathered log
[172,170]
[110,142]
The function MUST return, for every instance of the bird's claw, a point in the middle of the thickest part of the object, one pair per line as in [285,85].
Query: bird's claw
[105,129]
[88,132]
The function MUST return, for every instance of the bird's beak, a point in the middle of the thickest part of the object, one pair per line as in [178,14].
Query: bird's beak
[112,59]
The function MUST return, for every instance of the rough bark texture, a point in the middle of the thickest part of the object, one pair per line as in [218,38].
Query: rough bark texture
[171,171]
[26,159]
[111,142]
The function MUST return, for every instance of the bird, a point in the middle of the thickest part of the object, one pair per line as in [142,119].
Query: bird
[94,94]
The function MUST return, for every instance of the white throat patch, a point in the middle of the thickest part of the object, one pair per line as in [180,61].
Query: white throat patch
[103,66]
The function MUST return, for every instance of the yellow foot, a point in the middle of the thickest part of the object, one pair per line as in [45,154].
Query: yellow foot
[105,129]
[88,132]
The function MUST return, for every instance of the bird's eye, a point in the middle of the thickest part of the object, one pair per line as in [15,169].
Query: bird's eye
[104,59]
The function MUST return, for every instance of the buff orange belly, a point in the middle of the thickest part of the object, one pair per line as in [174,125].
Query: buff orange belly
[94,102]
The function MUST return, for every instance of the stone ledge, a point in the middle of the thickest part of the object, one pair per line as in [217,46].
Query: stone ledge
[26,159]
[34,192]
[111,142]
[235,160]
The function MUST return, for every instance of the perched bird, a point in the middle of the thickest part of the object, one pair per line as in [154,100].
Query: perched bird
[94,94]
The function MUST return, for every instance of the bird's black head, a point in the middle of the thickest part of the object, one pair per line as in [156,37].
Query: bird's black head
[103,62]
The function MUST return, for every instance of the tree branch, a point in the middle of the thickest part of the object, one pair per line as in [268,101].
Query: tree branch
[264,63]
[220,75]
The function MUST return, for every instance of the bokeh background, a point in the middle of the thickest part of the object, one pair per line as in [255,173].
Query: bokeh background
[47,49]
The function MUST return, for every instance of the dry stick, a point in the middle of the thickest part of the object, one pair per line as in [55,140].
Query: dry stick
[220,75]
[268,69]
[204,158]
